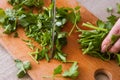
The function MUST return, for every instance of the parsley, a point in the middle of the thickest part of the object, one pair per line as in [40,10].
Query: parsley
[2,17]
[112,19]
[109,9]
[91,40]
[58,70]
[60,56]
[8,20]
[38,55]
[27,3]
[29,44]
[74,17]
[114,38]
[15,35]
[38,27]
[118,8]
[118,59]
[72,72]
[22,67]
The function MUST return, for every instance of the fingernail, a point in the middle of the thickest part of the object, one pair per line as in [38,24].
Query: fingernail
[103,48]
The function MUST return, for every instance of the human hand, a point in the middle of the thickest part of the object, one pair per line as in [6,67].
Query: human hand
[115,48]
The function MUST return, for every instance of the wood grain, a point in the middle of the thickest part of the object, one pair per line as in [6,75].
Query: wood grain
[87,64]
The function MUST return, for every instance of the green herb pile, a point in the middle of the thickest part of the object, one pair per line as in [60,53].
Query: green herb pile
[38,25]
[91,40]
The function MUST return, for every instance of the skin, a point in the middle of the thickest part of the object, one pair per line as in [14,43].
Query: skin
[106,42]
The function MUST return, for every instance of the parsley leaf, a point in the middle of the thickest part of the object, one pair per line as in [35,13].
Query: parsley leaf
[8,20]
[118,59]
[114,38]
[118,8]
[72,72]
[28,3]
[2,16]
[110,10]
[112,19]
[60,56]
[38,55]
[58,70]
[22,67]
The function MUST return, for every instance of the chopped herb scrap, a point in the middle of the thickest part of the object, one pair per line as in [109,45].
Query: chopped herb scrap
[118,8]
[58,70]
[29,44]
[22,67]
[72,72]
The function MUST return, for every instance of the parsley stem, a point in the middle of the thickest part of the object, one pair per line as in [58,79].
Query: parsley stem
[33,58]
[53,76]
[93,27]
[78,28]
[75,25]
[72,29]
[47,77]
[70,61]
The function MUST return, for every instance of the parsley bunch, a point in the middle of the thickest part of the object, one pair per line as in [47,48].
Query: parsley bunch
[91,40]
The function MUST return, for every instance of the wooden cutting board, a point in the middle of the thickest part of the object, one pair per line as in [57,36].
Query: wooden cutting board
[87,65]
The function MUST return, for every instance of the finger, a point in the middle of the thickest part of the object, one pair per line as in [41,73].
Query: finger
[116,47]
[114,31]
[105,44]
